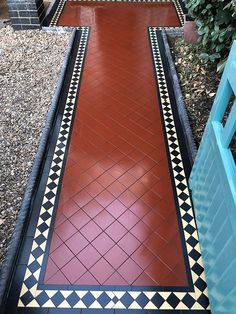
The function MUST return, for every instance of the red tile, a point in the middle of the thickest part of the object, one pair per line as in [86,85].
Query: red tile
[73,270]
[102,270]
[116,155]
[140,209]
[138,188]
[116,280]
[106,163]
[141,231]
[129,243]
[89,256]
[150,198]
[144,280]
[106,179]
[116,231]
[116,171]
[128,198]
[65,230]
[94,188]
[59,220]
[82,198]
[58,278]
[127,179]
[69,208]
[103,243]
[86,279]
[51,269]
[157,271]
[143,257]
[91,231]
[104,219]
[149,179]
[147,163]
[77,243]
[137,171]
[92,209]
[155,243]
[61,256]
[128,219]
[55,242]
[105,198]
[153,220]
[116,256]
[116,188]
[116,209]
[130,270]
[95,171]
[79,219]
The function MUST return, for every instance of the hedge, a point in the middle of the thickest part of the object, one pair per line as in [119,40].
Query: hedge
[216,22]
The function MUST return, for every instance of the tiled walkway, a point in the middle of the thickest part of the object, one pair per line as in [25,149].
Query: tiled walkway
[116,220]
[116,228]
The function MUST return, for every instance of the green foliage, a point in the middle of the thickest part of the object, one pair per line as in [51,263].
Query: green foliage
[216,21]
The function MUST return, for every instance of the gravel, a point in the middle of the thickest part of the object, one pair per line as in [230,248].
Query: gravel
[30,63]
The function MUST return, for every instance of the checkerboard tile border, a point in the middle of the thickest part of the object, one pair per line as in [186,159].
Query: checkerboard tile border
[31,296]
[62,3]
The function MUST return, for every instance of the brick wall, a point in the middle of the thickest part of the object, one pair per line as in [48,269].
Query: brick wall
[26,14]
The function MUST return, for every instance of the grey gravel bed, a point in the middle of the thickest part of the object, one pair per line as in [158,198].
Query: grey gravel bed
[30,63]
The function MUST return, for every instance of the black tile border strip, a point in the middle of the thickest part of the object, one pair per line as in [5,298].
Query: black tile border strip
[31,186]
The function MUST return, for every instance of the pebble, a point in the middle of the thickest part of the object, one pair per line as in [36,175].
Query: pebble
[30,63]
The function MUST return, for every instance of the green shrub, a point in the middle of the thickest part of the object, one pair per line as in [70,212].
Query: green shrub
[216,22]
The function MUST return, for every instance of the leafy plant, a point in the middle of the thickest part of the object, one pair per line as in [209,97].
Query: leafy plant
[216,22]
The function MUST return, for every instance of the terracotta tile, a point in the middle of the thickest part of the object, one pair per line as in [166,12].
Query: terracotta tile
[116,188]
[61,256]
[141,231]
[130,270]
[129,243]
[138,188]
[88,256]
[73,270]
[116,209]
[116,256]
[105,198]
[82,198]
[106,179]
[77,243]
[92,209]
[51,269]
[58,278]
[91,231]
[137,171]
[140,209]
[65,230]
[127,179]
[128,198]
[94,188]
[153,220]
[143,257]
[95,171]
[150,198]
[69,208]
[116,280]
[157,270]
[103,243]
[116,231]
[104,219]
[79,219]
[55,242]
[102,270]
[59,220]
[86,279]
[128,219]
[144,280]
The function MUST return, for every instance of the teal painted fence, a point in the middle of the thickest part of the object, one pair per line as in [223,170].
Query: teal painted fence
[213,184]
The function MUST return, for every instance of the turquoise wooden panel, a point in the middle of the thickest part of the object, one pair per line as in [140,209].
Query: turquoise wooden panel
[213,185]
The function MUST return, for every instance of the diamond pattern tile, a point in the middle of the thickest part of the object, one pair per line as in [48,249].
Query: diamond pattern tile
[116,221]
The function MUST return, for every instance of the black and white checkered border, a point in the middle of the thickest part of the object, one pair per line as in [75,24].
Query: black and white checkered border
[179,11]
[31,296]
[61,5]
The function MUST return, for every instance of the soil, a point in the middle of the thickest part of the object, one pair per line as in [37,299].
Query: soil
[199,83]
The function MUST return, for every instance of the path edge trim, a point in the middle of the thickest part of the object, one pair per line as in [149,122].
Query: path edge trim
[15,243]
